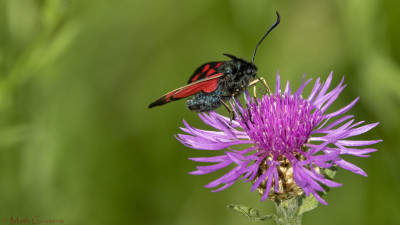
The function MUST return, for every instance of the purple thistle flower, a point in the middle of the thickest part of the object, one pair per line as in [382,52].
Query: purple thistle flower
[292,141]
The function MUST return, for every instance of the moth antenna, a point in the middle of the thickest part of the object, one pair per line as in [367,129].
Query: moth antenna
[265,35]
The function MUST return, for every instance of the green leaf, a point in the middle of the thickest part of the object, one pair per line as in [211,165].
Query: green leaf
[330,173]
[250,213]
[307,204]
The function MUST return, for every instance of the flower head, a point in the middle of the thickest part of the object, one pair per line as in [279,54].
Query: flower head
[292,140]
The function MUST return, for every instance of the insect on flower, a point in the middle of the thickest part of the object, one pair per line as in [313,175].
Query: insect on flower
[213,83]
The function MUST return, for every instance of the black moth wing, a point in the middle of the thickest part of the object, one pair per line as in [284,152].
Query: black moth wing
[207,85]
[205,79]
[204,71]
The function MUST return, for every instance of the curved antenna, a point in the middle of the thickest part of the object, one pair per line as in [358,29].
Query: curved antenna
[265,35]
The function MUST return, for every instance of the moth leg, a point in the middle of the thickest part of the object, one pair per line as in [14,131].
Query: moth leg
[231,114]
[268,89]
[265,82]
[253,82]
[254,86]
[240,113]
[258,80]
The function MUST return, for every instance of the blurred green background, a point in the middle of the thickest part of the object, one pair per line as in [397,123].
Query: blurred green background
[78,142]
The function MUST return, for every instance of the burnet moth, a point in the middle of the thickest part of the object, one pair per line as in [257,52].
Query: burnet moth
[213,83]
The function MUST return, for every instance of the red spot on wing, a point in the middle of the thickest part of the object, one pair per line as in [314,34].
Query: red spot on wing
[205,68]
[211,71]
[220,63]
[196,77]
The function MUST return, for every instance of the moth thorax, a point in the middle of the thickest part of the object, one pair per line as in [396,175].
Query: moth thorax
[287,187]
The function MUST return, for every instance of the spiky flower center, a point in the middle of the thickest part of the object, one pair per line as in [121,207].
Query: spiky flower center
[280,124]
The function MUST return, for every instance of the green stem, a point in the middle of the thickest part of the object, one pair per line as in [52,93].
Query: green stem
[287,212]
